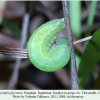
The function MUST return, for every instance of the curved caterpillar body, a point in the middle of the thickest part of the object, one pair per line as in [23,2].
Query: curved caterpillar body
[42,53]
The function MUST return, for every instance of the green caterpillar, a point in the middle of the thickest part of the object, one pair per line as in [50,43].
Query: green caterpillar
[43,52]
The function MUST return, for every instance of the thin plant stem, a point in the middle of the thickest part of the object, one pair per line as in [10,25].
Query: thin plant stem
[74,78]
[14,78]
[22,53]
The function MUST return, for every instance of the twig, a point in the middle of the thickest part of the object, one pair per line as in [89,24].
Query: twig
[14,78]
[81,40]
[74,78]
[22,53]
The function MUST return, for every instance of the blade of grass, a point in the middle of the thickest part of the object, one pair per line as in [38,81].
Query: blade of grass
[91,14]
[75,17]
[97,83]
[90,57]
[14,29]
[77,57]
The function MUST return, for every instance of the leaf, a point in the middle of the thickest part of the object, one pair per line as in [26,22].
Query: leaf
[90,57]
[77,57]
[14,29]
[97,82]
[91,15]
